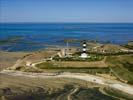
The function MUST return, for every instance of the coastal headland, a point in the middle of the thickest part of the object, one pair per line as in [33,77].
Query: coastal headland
[49,73]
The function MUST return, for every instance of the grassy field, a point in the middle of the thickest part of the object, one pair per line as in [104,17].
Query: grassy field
[71,68]
[72,64]
[122,66]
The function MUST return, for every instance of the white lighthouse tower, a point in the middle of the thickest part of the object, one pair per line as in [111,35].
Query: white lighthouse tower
[84,54]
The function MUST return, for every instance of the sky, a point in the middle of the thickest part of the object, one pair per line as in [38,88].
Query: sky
[96,11]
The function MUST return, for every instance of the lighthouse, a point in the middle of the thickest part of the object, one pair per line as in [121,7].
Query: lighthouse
[84,54]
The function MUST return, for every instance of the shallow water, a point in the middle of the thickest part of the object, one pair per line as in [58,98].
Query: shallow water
[35,36]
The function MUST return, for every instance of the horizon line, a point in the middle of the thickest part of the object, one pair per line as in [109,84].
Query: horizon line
[68,22]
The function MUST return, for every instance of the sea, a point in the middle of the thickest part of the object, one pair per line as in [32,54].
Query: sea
[36,36]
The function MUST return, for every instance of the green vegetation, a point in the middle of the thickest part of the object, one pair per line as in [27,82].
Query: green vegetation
[123,74]
[90,70]
[39,93]
[122,67]
[101,55]
[28,69]
[110,54]
[90,94]
[35,93]
[129,45]
[47,65]
[77,58]
[128,66]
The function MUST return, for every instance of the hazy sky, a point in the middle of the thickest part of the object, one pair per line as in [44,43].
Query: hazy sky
[66,10]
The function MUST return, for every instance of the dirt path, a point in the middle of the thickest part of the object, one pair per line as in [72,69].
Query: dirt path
[101,89]
[86,77]
[73,91]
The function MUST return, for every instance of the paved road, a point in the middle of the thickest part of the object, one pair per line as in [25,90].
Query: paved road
[86,77]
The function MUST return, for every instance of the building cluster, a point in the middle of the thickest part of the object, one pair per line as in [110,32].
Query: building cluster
[66,52]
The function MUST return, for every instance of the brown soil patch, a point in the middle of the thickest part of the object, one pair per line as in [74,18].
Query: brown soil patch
[8,59]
